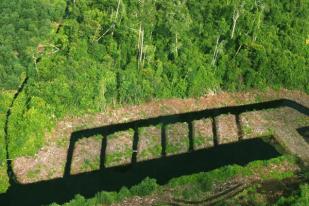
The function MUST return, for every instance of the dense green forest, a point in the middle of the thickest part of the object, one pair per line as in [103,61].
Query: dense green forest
[82,56]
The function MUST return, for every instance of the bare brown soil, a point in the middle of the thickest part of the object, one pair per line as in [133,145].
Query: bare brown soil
[203,133]
[149,143]
[177,138]
[49,162]
[118,151]
[227,129]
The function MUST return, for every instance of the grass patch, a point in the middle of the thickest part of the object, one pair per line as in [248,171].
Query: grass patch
[32,174]
[5,100]
[177,138]
[119,148]
[62,142]
[146,187]
[118,158]
[247,130]
[153,151]
[202,142]
[301,198]
[90,165]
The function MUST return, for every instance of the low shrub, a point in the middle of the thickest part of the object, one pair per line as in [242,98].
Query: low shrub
[5,99]
[300,199]
[146,187]
[106,197]
[29,121]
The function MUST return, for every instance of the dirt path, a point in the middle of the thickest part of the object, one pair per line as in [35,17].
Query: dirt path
[49,162]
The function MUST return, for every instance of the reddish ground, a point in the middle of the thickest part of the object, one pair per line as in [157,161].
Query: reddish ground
[50,160]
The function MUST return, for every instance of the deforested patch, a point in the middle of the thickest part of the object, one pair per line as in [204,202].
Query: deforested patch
[253,125]
[203,134]
[227,129]
[86,156]
[119,148]
[177,138]
[149,146]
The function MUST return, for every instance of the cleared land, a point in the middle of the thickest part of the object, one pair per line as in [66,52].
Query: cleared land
[50,160]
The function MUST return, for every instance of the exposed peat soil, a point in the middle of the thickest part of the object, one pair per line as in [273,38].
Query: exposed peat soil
[50,161]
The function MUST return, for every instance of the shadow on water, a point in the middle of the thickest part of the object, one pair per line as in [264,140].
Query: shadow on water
[63,189]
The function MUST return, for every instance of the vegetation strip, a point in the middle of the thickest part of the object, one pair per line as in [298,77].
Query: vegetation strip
[10,172]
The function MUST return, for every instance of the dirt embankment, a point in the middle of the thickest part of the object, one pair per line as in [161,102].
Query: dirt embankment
[49,162]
